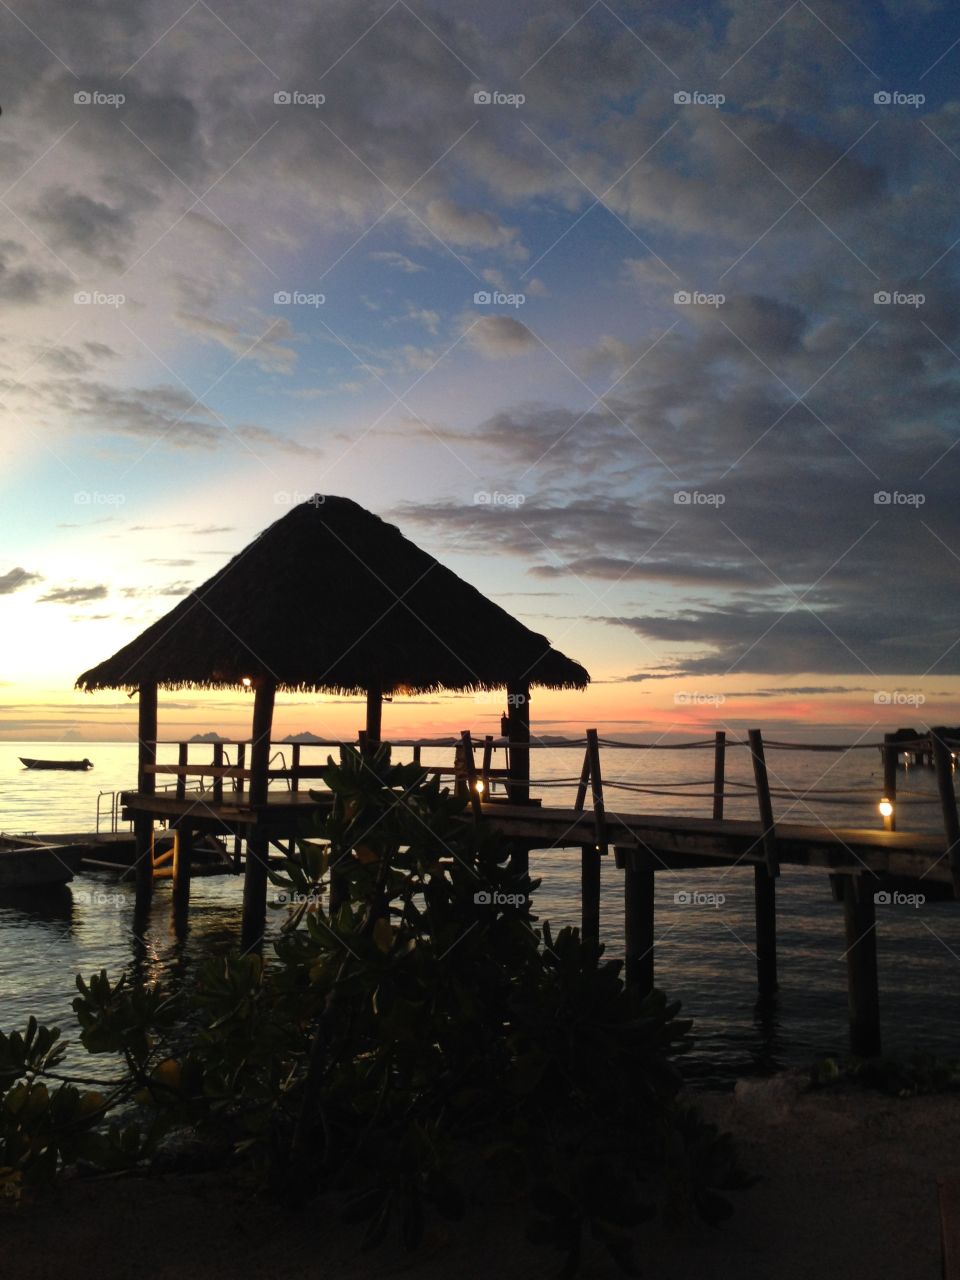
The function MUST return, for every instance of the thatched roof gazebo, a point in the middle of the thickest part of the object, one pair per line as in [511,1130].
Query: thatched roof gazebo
[331,599]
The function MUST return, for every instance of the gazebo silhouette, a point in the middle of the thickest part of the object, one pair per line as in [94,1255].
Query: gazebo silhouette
[331,599]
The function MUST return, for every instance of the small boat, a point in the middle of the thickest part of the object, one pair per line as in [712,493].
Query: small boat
[27,863]
[56,764]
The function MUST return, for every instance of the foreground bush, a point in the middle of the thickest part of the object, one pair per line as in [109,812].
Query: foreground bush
[416,1044]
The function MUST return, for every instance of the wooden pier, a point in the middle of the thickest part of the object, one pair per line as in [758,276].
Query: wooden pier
[859,863]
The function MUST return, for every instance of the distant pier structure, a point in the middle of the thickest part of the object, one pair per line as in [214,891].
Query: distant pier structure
[329,599]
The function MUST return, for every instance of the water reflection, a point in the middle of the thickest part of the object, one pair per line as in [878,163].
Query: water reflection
[50,905]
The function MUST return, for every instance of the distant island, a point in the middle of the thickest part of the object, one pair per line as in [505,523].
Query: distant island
[208,737]
[306,736]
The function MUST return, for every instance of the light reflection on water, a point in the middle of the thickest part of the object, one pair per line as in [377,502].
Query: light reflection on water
[703,954]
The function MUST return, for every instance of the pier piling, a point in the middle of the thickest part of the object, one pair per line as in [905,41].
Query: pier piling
[638,916]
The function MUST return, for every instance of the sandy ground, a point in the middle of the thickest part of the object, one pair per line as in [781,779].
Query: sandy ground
[848,1191]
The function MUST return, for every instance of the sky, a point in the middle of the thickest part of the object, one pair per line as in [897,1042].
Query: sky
[643,318]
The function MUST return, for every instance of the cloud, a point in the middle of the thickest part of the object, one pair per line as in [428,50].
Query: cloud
[16,579]
[499,336]
[77,222]
[400,261]
[26,284]
[73,595]
[265,348]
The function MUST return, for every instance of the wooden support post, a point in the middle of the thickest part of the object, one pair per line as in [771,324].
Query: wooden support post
[863,993]
[183,759]
[146,786]
[584,782]
[374,713]
[638,918]
[238,785]
[596,789]
[295,767]
[769,835]
[943,763]
[485,767]
[590,894]
[470,772]
[518,715]
[218,777]
[416,754]
[182,871]
[719,772]
[889,754]
[765,914]
[255,873]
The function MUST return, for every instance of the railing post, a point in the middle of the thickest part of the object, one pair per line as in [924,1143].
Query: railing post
[518,714]
[943,764]
[470,772]
[183,759]
[584,781]
[487,760]
[719,771]
[889,753]
[769,834]
[146,786]
[241,767]
[596,788]
[218,777]
[295,767]
[255,872]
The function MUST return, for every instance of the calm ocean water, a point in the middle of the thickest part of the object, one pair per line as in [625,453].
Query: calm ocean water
[703,955]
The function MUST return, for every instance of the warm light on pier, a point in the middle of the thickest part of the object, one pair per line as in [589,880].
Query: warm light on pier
[886,808]
[247,682]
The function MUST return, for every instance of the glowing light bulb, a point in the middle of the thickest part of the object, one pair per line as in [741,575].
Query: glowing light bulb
[480,785]
[886,808]
[246,682]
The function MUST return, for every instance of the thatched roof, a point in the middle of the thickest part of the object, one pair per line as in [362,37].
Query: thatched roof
[332,598]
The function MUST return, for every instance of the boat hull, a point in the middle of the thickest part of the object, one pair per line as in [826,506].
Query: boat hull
[81,765]
[36,866]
